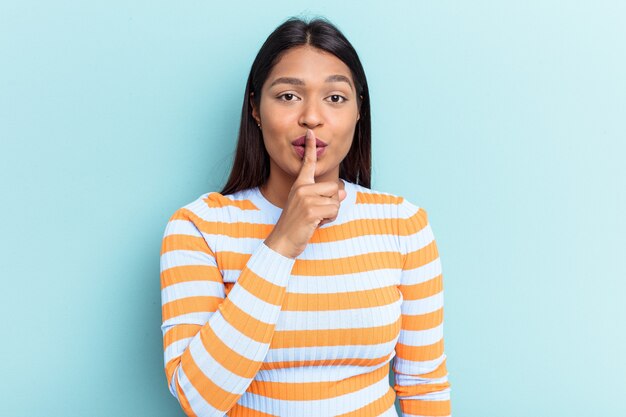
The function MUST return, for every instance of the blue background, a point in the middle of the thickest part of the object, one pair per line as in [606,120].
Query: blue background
[504,120]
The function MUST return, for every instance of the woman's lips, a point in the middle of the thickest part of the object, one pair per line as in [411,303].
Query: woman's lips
[300,141]
[300,150]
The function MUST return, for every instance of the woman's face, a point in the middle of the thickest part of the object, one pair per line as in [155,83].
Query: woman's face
[307,88]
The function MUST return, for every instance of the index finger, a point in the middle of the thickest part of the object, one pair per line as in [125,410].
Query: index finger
[307,170]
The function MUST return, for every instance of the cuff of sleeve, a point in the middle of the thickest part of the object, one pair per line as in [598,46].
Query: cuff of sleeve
[271,265]
[426,408]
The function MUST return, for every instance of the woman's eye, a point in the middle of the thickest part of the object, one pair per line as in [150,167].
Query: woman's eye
[336,98]
[287,97]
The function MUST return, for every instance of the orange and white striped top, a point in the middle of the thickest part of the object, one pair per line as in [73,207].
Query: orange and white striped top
[250,332]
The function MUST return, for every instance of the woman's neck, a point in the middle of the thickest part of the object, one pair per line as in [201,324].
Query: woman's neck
[276,189]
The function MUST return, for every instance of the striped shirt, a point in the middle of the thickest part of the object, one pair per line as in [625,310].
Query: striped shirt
[250,332]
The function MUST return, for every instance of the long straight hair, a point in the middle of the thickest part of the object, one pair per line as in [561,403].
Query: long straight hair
[251,166]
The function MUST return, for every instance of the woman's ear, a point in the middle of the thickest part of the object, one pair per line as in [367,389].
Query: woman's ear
[255,111]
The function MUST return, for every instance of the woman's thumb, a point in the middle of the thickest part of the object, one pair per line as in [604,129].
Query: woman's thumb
[342,194]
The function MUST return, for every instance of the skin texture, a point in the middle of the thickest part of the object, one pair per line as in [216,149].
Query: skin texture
[308,189]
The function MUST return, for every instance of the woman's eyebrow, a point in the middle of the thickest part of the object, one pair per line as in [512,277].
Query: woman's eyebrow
[297,81]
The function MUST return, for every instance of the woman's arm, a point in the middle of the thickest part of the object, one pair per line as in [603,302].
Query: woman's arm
[420,363]
[215,344]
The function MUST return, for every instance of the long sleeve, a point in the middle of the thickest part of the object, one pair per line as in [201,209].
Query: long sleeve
[214,344]
[420,364]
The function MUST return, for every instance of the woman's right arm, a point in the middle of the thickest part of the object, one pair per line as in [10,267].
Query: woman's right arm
[215,344]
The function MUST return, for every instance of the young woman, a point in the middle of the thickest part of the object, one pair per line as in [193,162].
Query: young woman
[292,291]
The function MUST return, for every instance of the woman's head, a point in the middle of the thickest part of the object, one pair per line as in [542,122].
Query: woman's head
[305,76]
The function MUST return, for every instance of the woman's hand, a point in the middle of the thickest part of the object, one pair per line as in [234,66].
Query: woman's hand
[309,205]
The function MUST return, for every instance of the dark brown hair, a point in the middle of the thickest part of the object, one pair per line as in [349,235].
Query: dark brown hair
[251,166]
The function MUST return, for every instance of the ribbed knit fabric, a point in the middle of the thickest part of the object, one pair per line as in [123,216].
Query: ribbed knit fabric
[250,332]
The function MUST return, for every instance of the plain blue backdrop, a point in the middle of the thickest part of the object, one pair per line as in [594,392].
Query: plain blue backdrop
[504,120]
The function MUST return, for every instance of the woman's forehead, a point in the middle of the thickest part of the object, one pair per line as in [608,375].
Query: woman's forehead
[305,64]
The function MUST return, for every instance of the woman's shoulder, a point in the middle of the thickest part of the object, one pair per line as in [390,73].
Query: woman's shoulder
[403,207]
[213,205]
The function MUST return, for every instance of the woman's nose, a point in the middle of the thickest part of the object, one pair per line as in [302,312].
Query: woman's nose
[311,115]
